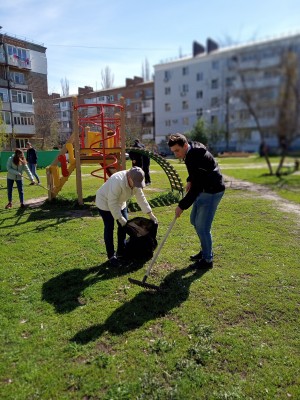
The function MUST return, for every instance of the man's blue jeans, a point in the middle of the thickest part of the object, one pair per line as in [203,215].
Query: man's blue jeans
[32,168]
[109,224]
[202,215]
[10,184]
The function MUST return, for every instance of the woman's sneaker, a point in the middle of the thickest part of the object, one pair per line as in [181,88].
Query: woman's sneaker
[197,256]
[9,205]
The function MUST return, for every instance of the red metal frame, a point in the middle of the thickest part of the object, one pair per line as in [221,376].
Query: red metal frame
[104,121]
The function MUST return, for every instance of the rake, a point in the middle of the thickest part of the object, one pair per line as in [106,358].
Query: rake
[143,282]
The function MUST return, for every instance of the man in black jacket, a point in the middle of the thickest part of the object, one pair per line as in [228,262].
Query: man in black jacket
[205,189]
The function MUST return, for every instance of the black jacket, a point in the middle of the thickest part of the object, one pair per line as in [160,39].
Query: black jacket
[136,157]
[203,173]
[31,156]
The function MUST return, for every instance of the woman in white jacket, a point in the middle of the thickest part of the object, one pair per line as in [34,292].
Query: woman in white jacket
[16,165]
[111,201]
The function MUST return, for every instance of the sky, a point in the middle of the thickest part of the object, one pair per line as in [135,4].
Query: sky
[84,37]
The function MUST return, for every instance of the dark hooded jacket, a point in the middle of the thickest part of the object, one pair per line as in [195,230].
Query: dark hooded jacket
[203,173]
[31,156]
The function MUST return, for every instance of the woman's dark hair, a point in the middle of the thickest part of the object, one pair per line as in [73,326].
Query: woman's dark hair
[177,138]
[17,156]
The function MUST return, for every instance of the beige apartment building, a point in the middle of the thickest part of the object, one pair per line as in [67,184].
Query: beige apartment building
[23,80]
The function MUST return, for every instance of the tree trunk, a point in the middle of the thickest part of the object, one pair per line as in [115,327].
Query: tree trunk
[268,163]
[280,165]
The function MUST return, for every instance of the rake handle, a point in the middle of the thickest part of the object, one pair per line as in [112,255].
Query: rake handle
[159,249]
[38,184]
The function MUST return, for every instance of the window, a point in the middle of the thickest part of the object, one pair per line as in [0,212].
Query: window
[185,89]
[23,119]
[185,121]
[6,117]
[19,96]
[167,76]
[214,119]
[167,90]
[185,105]
[21,143]
[244,114]
[137,107]
[215,65]
[4,95]
[148,92]
[199,94]
[167,107]
[168,122]
[214,102]
[199,76]
[18,56]
[199,112]
[214,84]
[127,102]
[185,70]
[230,81]
[17,77]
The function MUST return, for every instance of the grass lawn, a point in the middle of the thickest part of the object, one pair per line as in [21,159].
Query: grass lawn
[74,328]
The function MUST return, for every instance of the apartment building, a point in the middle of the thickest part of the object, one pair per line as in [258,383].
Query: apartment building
[237,88]
[23,78]
[139,107]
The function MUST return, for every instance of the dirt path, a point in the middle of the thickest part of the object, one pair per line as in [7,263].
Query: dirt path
[263,191]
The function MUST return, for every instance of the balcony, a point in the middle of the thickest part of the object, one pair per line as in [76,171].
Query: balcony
[15,61]
[147,107]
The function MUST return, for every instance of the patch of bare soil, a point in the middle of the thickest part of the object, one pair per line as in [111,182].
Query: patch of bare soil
[36,202]
[39,201]
[265,192]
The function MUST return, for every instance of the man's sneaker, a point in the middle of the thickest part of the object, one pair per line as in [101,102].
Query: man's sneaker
[197,256]
[32,183]
[114,262]
[202,264]
[22,205]
[9,205]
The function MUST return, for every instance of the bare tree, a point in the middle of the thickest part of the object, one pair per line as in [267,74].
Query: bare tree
[281,101]
[65,87]
[46,123]
[146,70]
[288,118]
[107,78]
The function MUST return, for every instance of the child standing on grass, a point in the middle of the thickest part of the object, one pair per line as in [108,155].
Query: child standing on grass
[16,165]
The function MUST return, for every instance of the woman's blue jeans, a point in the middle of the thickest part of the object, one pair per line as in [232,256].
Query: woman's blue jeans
[32,168]
[10,185]
[202,215]
[109,225]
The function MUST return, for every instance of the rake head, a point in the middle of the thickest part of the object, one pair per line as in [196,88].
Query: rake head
[145,284]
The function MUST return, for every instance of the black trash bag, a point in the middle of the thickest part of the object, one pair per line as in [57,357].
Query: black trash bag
[142,238]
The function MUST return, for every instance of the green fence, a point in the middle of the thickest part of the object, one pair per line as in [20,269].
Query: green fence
[45,158]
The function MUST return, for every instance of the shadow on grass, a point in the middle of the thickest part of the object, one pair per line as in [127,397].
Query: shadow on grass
[146,306]
[64,290]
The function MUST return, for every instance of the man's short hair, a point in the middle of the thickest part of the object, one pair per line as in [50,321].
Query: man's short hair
[28,144]
[177,138]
